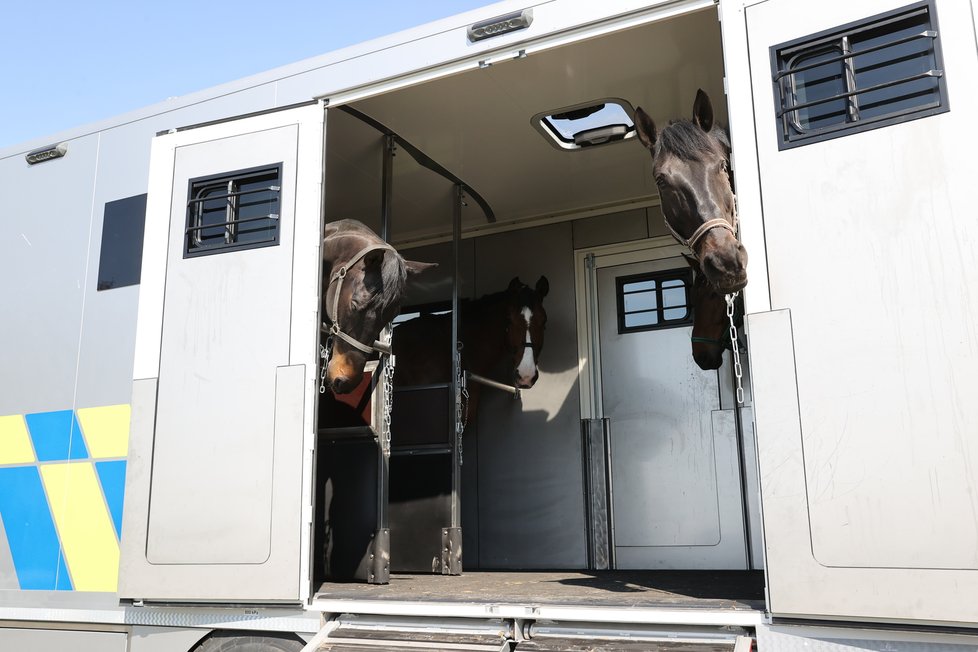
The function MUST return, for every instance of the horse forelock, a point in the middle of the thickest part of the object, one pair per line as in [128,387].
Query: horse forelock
[686,140]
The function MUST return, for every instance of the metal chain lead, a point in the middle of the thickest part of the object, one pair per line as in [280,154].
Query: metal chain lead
[324,354]
[461,395]
[738,369]
[389,361]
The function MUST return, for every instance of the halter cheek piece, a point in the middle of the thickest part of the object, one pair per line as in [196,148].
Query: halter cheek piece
[333,315]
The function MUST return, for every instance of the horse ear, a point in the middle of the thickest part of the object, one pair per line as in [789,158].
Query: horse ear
[515,284]
[414,267]
[543,286]
[373,258]
[703,110]
[645,128]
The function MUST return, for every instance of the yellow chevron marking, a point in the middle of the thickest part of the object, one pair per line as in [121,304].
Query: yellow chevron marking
[106,430]
[84,525]
[15,441]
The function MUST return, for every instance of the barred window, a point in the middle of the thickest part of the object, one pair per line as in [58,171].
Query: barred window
[655,300]
[234,210]
[870,74]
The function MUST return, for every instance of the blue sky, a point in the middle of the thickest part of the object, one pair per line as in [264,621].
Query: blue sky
[65,63]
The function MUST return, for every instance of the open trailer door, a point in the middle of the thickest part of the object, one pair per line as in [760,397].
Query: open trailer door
[863,373]
[225,362]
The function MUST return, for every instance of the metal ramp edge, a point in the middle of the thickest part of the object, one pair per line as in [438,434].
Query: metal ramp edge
[358,633]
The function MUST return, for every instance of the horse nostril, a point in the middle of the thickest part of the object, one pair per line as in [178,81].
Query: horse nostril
[341,385]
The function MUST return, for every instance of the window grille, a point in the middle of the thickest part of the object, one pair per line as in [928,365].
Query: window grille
[235,210]
[870,74]
[655,300]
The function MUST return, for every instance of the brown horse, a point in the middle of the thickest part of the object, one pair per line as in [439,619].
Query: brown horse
[507,325]
[364,279]
[711,325]
[691,165]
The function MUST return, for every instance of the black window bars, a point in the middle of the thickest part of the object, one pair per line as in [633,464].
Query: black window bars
[203,237]
[883,70]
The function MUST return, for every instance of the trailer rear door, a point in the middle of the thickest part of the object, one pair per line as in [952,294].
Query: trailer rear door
[864,371]
[226,346]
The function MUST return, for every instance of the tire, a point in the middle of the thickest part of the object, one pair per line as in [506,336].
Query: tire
[249,642]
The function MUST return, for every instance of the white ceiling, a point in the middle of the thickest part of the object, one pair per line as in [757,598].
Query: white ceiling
[477,125]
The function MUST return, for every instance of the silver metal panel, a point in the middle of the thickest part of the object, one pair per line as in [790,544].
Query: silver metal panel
[597,496]
[164,639]
[225,330]
[531,507]
[43,257]
[882,506]
[223,519]
[45,640]
[786,638]
[674,460]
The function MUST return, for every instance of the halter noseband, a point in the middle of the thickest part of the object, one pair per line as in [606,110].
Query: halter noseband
[717,222]
[333,315]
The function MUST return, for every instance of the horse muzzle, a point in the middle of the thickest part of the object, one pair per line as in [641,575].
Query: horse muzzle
[726,268]
[524,382]
[344,375]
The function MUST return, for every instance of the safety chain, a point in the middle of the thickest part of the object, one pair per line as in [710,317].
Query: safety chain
[738,369]
[461,396]
[388,380]
[324,354]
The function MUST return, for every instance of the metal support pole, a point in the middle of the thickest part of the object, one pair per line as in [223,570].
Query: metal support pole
[387,192]
[452,537]
[379,568]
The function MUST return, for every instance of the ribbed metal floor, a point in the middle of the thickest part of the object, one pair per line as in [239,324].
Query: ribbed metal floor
[716,590]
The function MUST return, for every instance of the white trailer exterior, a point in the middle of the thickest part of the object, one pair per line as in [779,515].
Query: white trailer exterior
[158,430]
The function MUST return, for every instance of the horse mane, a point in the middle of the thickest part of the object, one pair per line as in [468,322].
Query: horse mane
[394,274]
[685,139]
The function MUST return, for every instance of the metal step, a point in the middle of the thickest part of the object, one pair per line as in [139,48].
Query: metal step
[363,633]
[542,636]
[355,633]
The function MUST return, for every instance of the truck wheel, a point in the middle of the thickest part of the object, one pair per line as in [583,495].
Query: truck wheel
[249,642]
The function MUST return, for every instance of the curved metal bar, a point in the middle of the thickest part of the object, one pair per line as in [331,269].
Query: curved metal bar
[423,159]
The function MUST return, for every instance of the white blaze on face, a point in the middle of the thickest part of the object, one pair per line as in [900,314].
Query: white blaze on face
[527,369]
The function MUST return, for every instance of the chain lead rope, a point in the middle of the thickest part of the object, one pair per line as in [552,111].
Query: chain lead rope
[461,401]
[388,360]
[738,369]
[324,354]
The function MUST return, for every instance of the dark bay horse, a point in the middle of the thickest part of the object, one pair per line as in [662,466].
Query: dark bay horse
[691,165]
[711,325]
[504,326]
[364,280]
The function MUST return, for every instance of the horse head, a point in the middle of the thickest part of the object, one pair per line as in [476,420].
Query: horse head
[364,280]
[711,325]
[691,166]
[526,322]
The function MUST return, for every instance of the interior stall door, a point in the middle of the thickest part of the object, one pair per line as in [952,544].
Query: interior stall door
[864,372]
[219,513]
[675,470]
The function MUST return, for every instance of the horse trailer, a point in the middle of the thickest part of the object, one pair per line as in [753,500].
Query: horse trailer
[175,475]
